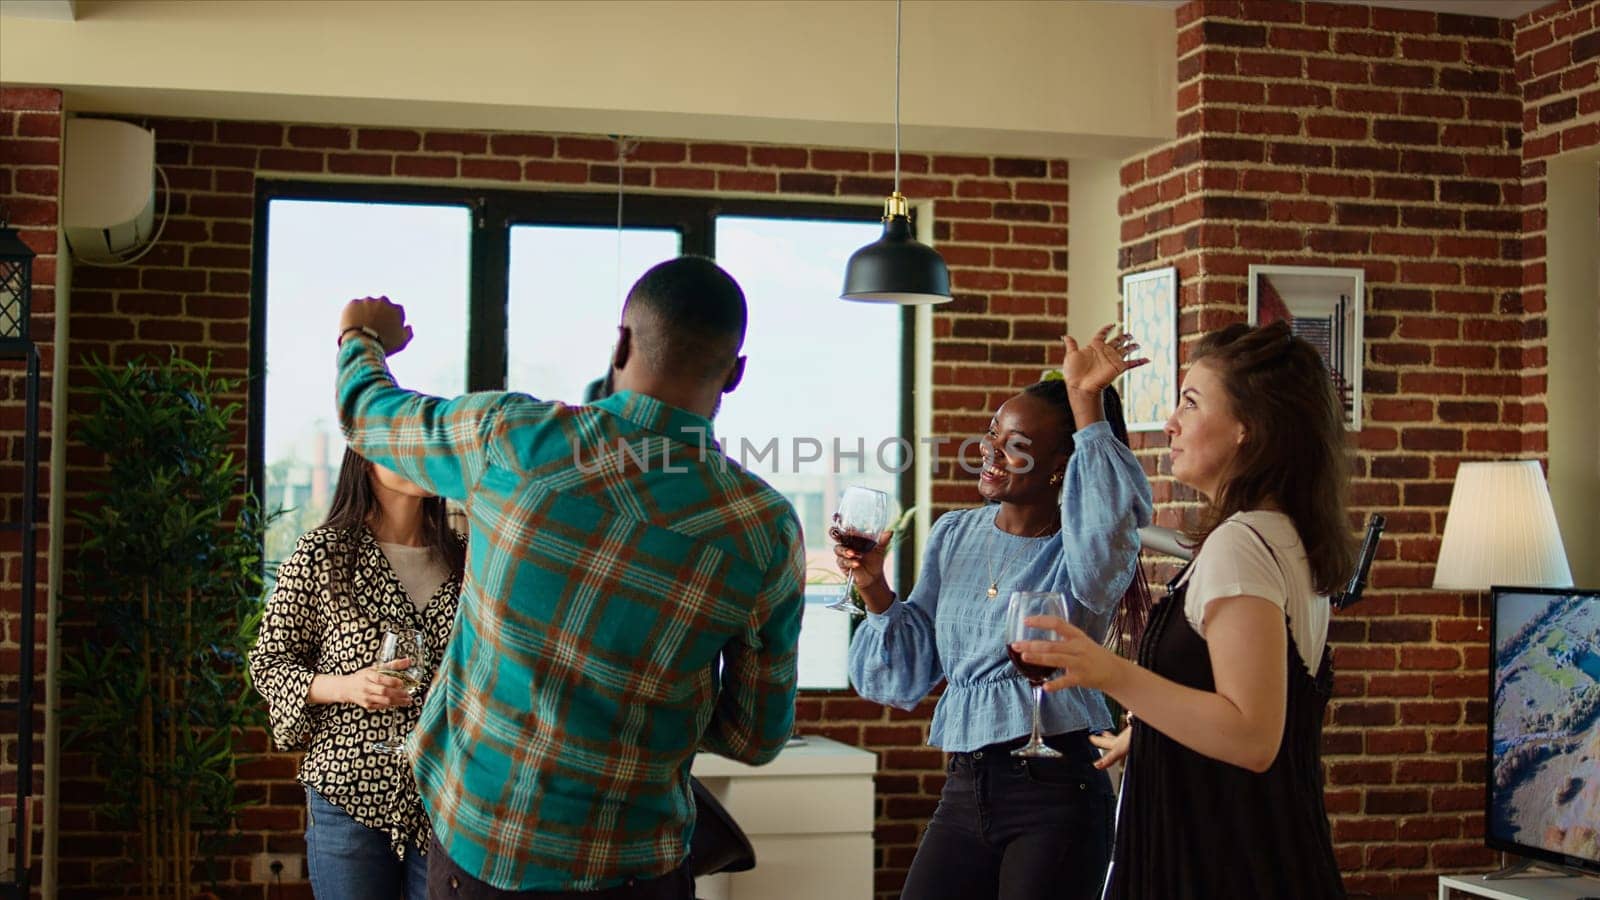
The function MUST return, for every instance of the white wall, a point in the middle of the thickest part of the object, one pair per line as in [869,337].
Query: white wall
[1093,236]
[1573,295]
[1005,76]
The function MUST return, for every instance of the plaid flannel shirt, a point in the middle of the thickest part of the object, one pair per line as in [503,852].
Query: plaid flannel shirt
[615,556]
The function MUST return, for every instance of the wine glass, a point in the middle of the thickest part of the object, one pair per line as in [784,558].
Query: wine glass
[397,644]
[862,516]
[1024,604]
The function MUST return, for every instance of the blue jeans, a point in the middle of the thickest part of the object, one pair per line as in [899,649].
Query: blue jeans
[1009,828]
[349,861]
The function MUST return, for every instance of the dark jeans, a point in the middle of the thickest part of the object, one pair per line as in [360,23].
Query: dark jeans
[448,881]
[346,860]
[1009,828]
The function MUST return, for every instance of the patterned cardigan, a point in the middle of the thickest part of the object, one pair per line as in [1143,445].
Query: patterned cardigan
[335,594]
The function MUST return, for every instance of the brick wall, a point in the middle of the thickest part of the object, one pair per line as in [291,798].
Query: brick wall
[1001,223]
[1385,139]
[1316,134]
[30,163]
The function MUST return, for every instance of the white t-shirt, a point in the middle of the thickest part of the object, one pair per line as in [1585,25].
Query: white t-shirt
[419,571]
[1233,562]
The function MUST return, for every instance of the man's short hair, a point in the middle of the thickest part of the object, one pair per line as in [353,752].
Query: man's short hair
[688,318]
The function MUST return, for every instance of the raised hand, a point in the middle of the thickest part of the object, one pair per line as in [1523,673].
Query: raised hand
[378,313]
[1089,368]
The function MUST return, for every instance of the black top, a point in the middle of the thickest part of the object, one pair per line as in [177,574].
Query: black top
[1196,828]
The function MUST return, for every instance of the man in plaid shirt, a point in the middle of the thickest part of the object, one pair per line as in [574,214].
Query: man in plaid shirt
[632,596]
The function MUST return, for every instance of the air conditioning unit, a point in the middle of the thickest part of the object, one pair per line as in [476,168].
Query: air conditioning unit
[108,189]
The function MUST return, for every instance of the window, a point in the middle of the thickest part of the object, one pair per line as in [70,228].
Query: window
[319,255]
[524,291]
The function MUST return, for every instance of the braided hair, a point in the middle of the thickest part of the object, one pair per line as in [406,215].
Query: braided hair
[1127,624]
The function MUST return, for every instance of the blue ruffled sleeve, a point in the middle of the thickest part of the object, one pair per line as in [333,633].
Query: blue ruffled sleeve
[894,658]
[1106,502]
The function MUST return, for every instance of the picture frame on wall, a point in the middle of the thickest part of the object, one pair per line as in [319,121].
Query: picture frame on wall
[1324,306]
[1150,314]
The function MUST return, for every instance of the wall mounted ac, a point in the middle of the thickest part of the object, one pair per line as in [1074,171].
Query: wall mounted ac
[108,189]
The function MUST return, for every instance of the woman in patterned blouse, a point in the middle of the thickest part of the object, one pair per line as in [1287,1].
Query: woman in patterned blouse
[385,558]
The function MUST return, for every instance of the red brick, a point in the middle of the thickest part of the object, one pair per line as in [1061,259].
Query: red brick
[491,169]
[555,172]
[360,163]
[783,157]
[542,147]
[455,142]
[388,139]
[843,161]
[759,182]
[39,125]
[1337,70]
[292,160]
[30,98]
[738,155]
[258,133]
[685,179]
[585,148]
[318,137]
[425,166]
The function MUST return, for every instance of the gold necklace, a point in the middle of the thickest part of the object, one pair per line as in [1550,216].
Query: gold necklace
[988,547]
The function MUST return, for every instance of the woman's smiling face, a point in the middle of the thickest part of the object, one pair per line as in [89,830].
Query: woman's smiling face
[1021,451]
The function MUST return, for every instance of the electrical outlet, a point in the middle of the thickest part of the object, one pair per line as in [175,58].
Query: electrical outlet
[293,867]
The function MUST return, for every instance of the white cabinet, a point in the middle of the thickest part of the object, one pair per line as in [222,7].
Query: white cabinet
[809,815]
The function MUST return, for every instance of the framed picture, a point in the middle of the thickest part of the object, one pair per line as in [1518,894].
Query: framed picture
[1324,306]
[1150,314]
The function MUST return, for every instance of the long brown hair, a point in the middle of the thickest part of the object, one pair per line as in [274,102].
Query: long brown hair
[354,502]
[1293,449]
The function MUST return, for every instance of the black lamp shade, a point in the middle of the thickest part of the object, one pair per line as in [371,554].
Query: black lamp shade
[16,280]
[897,269]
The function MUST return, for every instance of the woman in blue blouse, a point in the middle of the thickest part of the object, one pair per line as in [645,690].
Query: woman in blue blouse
[1065,502]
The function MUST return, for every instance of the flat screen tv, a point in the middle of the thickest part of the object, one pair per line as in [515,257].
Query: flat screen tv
[1543,796]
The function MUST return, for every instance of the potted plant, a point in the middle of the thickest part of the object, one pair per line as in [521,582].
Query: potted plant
[168,581]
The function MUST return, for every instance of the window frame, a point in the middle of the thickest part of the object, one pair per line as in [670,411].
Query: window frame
[493,214]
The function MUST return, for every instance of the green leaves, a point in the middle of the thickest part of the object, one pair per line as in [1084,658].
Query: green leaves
[169,579]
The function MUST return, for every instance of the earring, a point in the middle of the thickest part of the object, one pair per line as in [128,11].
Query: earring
[1056,478]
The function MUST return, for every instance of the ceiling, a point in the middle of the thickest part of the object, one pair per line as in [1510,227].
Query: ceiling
[1499,9]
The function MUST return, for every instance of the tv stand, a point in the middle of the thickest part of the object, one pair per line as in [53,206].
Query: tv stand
[1555,887]
[1523,865]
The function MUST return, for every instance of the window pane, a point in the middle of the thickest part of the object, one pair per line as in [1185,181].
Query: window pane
[566,287]
[319,255]
[823,384]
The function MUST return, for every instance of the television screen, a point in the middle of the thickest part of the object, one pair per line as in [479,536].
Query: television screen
[1544,721]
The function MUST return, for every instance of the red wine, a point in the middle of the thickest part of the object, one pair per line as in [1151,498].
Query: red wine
[854,540]
[1036,674]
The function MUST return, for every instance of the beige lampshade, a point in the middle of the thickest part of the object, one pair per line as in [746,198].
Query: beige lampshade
[1501,529]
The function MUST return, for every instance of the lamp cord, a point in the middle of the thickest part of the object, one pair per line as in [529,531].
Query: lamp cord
[624,147]
[622,160]
[897,4]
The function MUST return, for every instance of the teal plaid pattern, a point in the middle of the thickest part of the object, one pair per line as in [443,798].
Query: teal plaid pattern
[614,557]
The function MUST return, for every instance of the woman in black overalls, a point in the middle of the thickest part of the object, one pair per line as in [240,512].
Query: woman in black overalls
[1223,792]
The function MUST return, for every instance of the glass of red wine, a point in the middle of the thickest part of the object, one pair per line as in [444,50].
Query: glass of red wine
[863,515]
[1024,604]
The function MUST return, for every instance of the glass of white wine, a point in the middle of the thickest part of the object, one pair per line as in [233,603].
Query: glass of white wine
[398,644]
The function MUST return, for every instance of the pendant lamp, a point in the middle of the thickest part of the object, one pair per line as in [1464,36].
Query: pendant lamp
[896,268]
